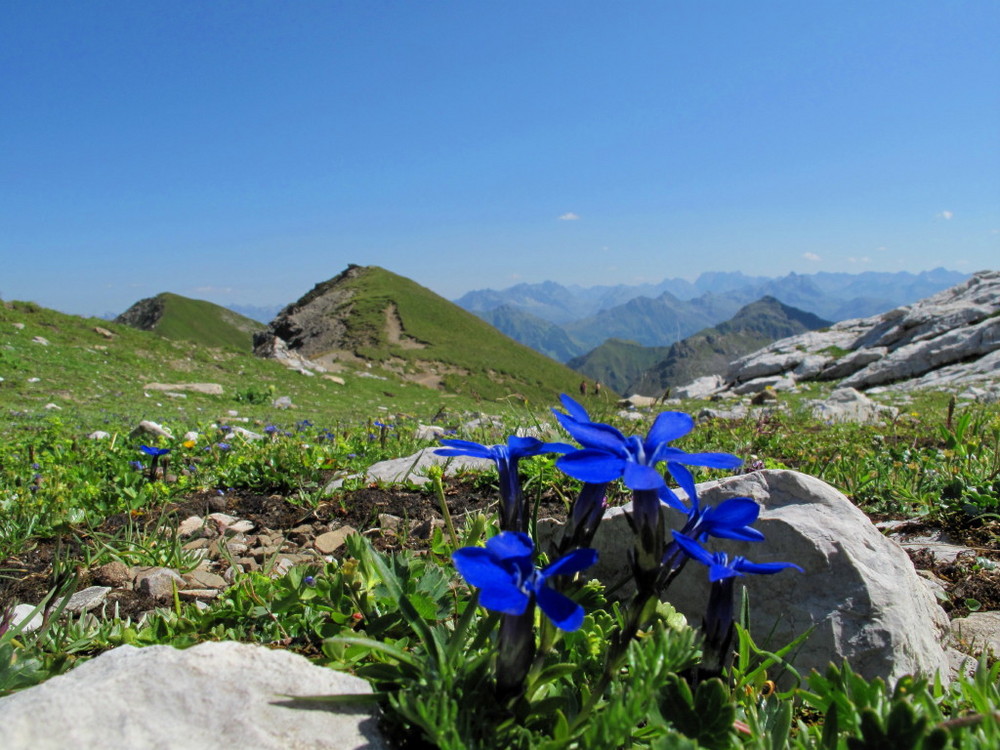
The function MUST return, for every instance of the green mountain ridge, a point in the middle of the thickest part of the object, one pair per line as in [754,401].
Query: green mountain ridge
[650,371]
[184,319]
[617,363]
[370,315]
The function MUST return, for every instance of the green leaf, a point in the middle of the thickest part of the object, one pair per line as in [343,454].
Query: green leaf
[373,645]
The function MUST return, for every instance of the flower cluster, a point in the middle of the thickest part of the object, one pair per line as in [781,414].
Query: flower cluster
[510,583]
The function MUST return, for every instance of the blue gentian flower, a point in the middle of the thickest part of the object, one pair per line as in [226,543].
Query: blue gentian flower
[506,458]
[154,452]
[730,519]
[223,446]
[508,580]
[720,566]
[137,465]
[718,621]
[608,455]
[270,429]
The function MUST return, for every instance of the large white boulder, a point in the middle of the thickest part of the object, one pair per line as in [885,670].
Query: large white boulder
[214,696]
[860,593]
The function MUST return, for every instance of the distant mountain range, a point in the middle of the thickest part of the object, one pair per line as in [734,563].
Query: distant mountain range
[628,367]
[566,322]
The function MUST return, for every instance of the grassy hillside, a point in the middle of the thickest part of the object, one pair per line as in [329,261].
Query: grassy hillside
[618,364]
[184,319]
[405,328]
[97,381]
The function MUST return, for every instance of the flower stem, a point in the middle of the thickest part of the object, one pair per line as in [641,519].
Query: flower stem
[439,491]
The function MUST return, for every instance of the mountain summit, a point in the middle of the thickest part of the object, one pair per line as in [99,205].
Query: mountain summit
[175,317]
[369,316]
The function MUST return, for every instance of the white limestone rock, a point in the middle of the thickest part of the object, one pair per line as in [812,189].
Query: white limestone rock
[922,356]
[952,337]
[146,427]
[978,633]
[775,382]
[209,389]
[214,696]
[700,388]
[429,432]
[413,468]
[859,593]
[850,405]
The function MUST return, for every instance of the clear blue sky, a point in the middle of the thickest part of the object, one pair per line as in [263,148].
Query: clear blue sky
[242,151]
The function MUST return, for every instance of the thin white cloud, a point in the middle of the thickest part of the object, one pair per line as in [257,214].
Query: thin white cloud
[811,256]
[569,217]
[214,289]
[946,215]
[862,259]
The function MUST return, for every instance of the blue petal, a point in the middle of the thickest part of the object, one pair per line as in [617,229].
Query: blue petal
[718,571]
[480,569]
[594,435]
[712,460]
[669,497]
[740,533]
[668,426]
[574,409]
[573,562]
[521,447]
[508,545]
[564,612]
[685,480]
[591,466]
[638,477]
[559,448]
[692,549]
[509,600]
[736,511]
[465,448]
[745,566]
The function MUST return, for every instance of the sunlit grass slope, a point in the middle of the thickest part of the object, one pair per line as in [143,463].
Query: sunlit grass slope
[184,319]
[477,359]
[94,380]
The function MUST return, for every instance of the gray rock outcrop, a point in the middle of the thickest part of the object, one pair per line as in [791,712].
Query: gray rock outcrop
[413,468]
[212,696]
[952,337]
